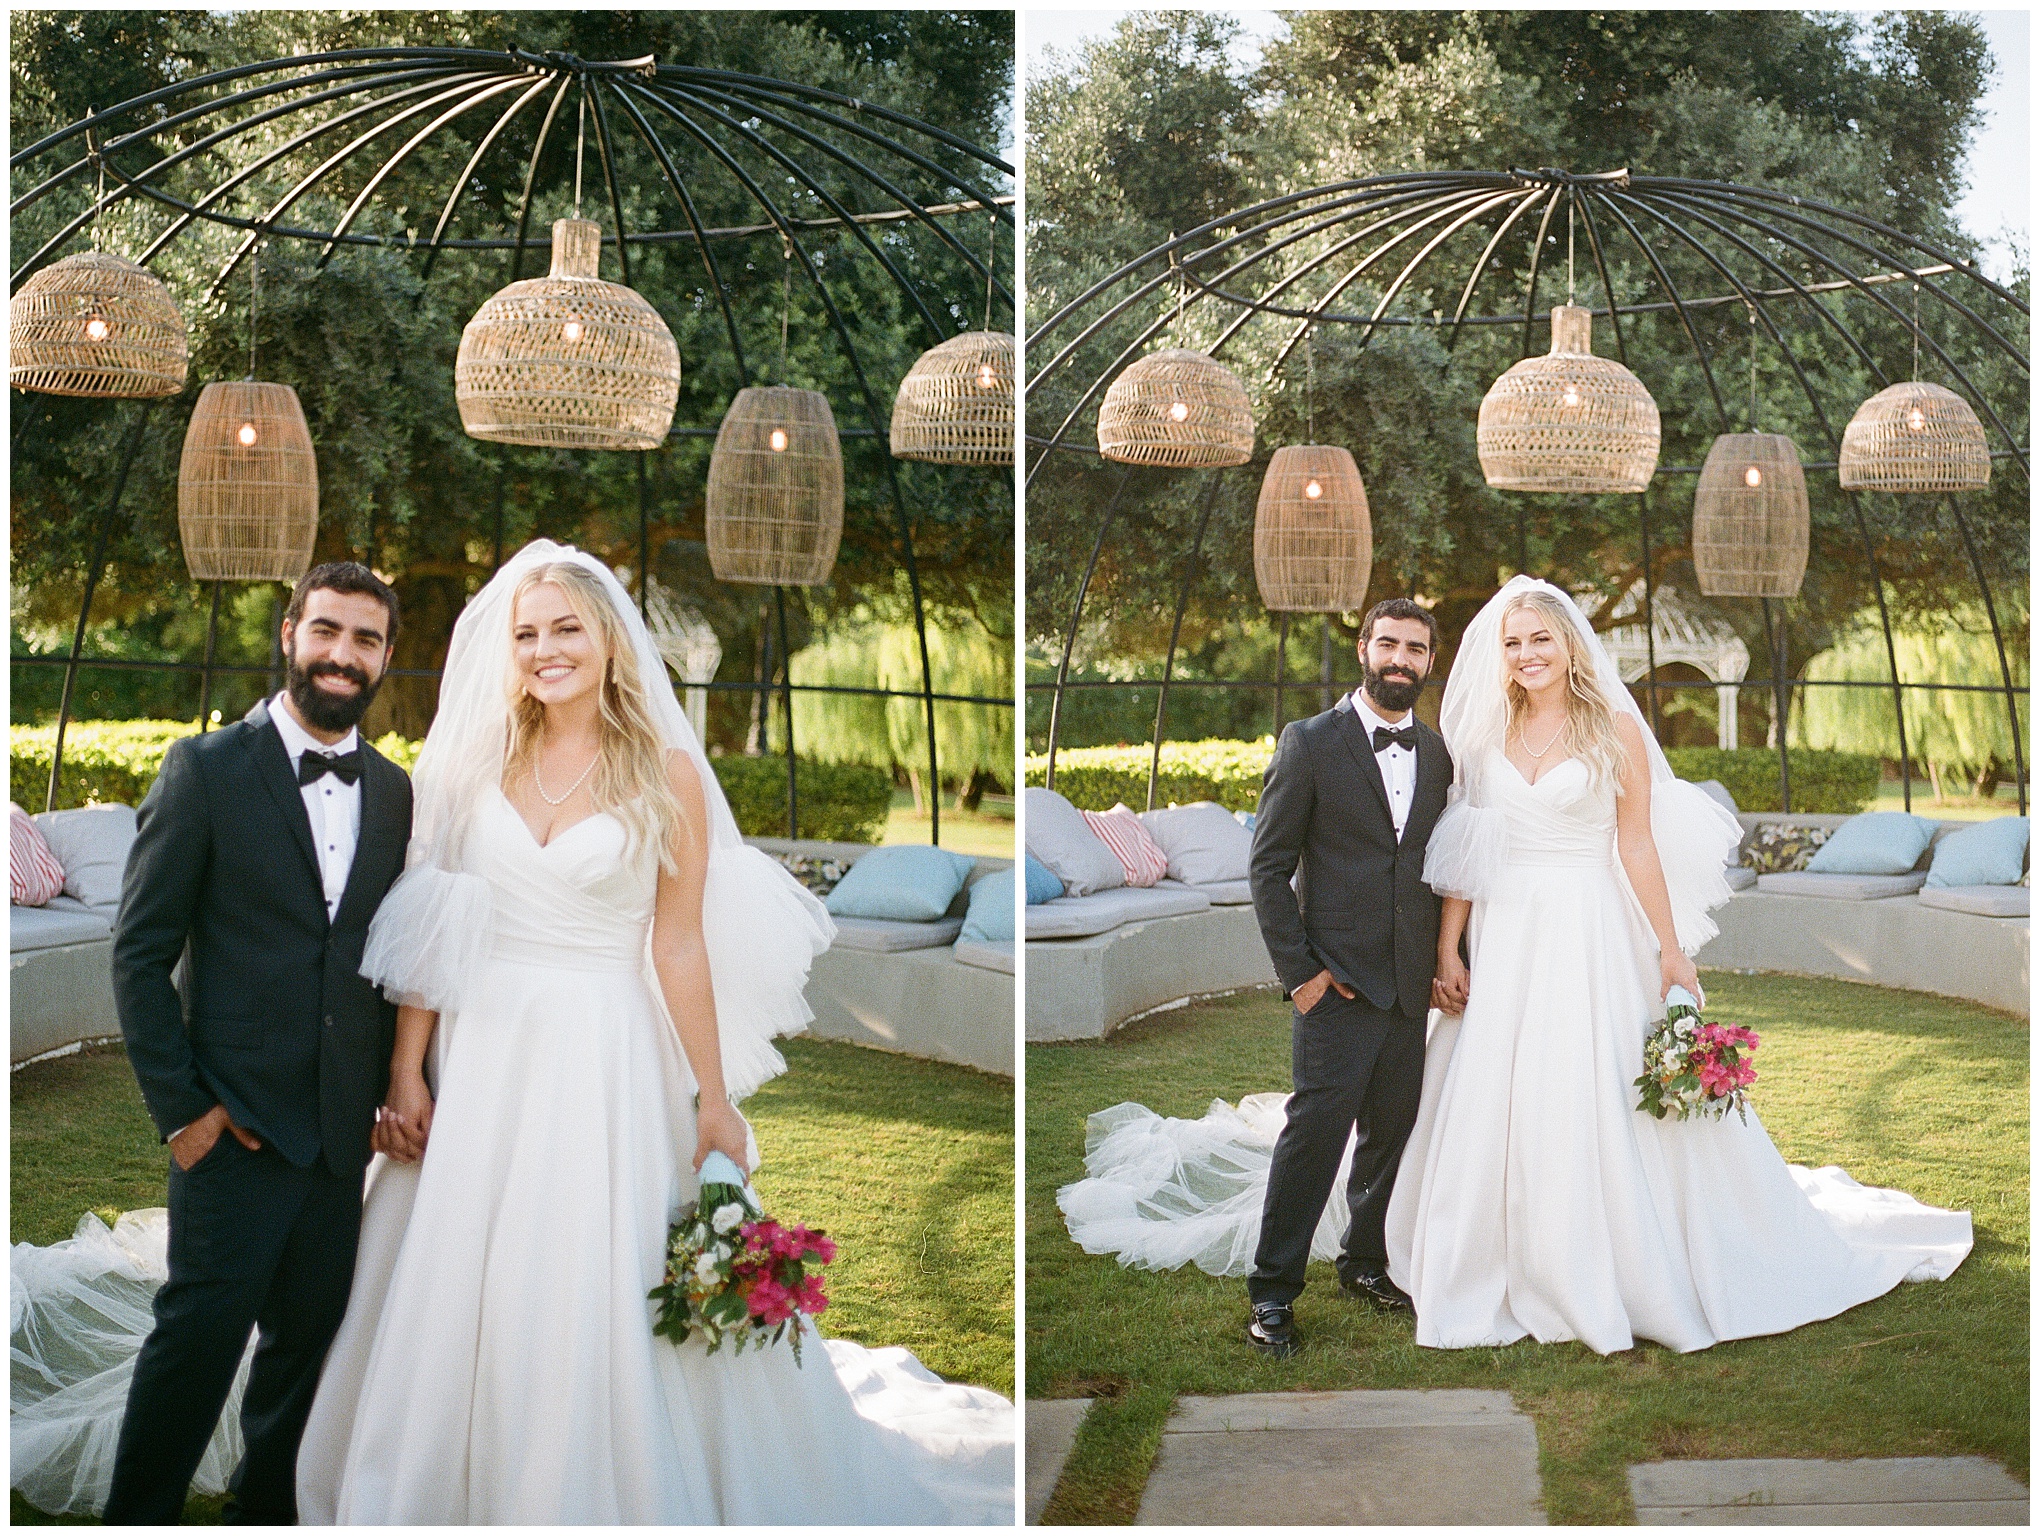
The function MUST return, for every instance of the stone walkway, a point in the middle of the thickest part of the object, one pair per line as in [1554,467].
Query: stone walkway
[1452,1457]
[1906,1490]
[1051,1431]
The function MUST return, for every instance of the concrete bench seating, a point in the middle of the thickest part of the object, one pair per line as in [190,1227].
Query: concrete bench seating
[1804,882]
[60,956]
[1983,900]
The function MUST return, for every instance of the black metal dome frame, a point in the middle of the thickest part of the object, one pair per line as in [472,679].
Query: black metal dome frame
[1404,220]
[387,102]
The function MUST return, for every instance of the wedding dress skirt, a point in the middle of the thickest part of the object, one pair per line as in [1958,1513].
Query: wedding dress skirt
[1533,1198]
[497,1363]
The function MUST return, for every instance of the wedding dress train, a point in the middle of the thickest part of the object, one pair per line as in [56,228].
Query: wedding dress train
[1533,1198]
[497,1363]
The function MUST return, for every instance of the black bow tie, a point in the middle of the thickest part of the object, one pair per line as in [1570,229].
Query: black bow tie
[344,766]
[1386,737]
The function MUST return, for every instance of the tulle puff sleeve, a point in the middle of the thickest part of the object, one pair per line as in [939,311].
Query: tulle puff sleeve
[1467,850]
[1696,839]
[750,896]
[429,938]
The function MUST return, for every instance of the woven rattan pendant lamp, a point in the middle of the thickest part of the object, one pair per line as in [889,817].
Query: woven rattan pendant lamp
[775,489]
[1313,539]
[1750,521]
[567,360]
[1914,437]
[1177,409]
[95,324]
[955,405]
[1568,421]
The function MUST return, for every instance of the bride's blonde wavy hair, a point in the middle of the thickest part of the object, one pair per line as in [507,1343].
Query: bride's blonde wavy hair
[630,780]
[1589,721]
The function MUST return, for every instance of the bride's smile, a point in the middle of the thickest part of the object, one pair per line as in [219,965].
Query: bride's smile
[559,661]
[1535,657]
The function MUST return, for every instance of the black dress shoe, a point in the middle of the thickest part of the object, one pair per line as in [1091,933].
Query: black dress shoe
[1272,1330]
[1379,1289]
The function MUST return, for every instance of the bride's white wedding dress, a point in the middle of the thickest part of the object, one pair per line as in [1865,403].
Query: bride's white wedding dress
[497,1363]
[1534,1199]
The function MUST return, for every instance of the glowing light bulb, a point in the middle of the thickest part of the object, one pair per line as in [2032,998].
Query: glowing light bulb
[1753,477]
[96,328]
[1572,395]
[987,379]
[247,434]
[1313,490]
[778,440]
[571,330]
[1916,419]
[1179,412]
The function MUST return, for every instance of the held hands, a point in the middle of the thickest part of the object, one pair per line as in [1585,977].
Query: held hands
[1676,969]
[720,1129]
[1450,987]
[405,1120]
[190,1145]
[1312,992]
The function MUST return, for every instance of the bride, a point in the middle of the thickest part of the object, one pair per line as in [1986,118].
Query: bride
[591,965]
[1533,1198]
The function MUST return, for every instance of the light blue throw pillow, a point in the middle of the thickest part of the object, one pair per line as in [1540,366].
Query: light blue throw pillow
[1877,843]
[908,884]
[1990,853]
[991,916]
[1042,884]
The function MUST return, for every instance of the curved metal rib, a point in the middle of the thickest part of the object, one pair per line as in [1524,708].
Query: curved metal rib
[1536,256]
[885,114]
[461,181]
[1480,267]
[531,177]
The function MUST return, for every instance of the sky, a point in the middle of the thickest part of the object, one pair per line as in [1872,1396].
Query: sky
[1998,168]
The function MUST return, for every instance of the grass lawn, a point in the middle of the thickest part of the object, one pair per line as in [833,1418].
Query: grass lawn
[972,832]
[1920,1093]
[907,1163]
[1957,807]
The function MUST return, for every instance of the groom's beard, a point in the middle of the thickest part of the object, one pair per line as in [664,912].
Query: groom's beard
[1394,687]
[327,711]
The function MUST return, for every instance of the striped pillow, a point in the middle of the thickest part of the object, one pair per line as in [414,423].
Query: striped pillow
[1138,854]
[33,873]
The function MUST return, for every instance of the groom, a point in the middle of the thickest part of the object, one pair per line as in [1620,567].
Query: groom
[260,855]
[1348,803]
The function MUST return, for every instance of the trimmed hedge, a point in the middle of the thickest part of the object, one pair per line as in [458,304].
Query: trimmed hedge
[1823,783]
[839,802]
[115,761]
[1098,778]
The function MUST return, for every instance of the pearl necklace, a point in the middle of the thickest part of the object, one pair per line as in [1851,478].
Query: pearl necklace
[1524,737]
[563,799]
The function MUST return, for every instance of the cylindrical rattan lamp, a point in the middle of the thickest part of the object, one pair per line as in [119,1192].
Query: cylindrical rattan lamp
[95,324]
[1750,525]
[1313,540]
[248,485]
[1914,437]
[1176,409]
[1568,421]
[567,360]
[775,489]
[955,405]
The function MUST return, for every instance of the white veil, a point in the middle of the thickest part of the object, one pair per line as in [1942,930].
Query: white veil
[1695,837]
[430,936]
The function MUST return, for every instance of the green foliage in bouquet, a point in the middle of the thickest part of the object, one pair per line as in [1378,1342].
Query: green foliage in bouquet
[1823,783]
[1098,778]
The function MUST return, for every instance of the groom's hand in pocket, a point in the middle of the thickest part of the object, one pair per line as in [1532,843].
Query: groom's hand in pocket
[1312,992]
[190,1145]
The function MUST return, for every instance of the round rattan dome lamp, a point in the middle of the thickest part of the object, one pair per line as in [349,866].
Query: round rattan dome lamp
[1914,437]
[1750,523]
[1176,409]
[1568,421]
[248,485]
[567,360]
[775,489]
[1313,539]
[95,324]
[955,405]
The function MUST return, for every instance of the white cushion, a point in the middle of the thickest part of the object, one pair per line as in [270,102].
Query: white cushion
[1078,917]
[1222,893]
[1842,887]
[990,957]
[1740,877]
[1983,900]
[63,921]
[1060,838]
[1203,843]
[889,936]
[92,844]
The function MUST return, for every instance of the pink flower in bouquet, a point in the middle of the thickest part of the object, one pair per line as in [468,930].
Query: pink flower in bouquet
[762,1236]
[771,1302]
[822,1247]
[811,1298]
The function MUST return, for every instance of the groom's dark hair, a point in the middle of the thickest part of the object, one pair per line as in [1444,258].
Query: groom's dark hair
[343,576]
[1399,608]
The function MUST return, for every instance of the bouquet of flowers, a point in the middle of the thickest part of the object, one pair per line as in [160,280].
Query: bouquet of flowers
[732,1275]
[1692,1067]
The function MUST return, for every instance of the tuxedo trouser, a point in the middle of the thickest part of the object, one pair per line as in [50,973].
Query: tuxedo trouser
[255,1243]
[1356,1069]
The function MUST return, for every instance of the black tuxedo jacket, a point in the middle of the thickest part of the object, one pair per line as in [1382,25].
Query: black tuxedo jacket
[276,1021]
[1361,909]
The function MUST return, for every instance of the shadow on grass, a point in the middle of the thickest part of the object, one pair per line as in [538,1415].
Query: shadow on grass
[1920,1093]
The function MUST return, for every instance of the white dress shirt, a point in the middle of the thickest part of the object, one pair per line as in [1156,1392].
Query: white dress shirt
[334,807]
[1398,764]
